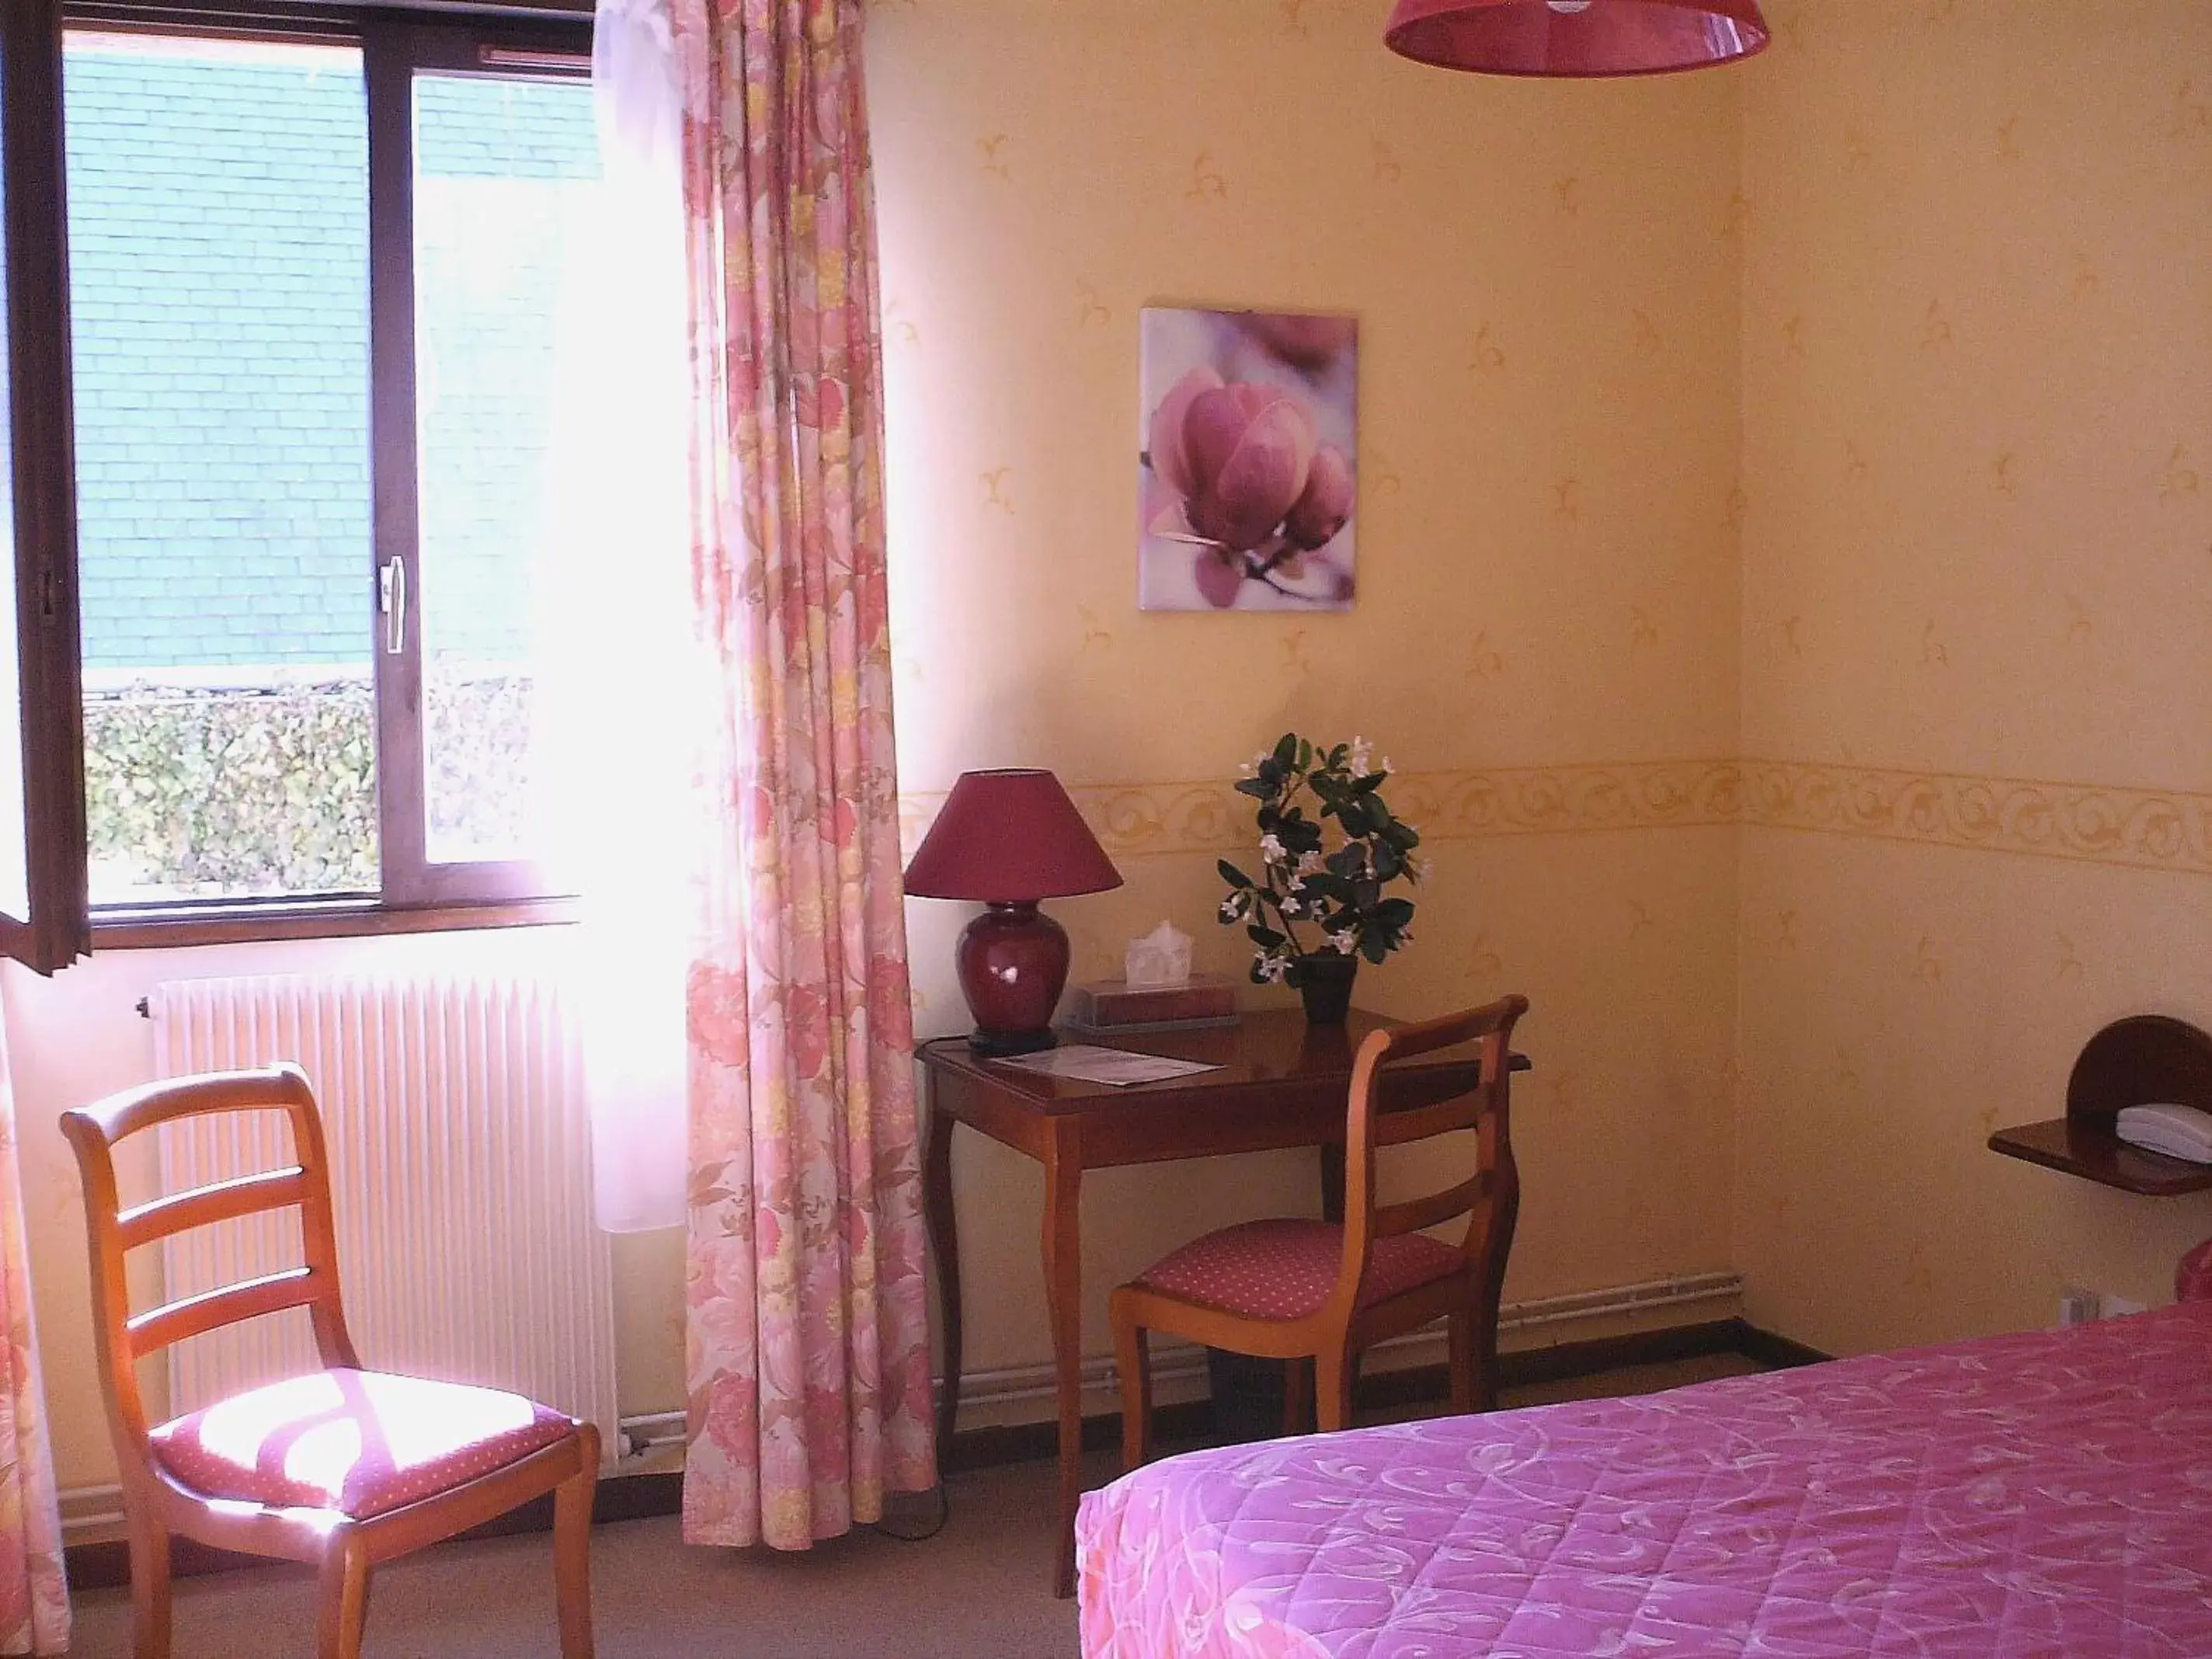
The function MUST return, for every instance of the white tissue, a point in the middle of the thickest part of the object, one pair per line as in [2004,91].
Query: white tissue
[1159,960]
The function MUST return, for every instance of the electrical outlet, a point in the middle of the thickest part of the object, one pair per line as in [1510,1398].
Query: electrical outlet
[2077,1306]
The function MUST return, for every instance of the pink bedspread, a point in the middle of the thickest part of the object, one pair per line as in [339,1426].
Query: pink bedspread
[2048,1493]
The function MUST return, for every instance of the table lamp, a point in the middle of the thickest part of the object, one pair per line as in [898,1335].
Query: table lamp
[1011,838]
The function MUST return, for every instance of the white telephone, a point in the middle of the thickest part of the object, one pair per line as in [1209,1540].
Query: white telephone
[2181,1132]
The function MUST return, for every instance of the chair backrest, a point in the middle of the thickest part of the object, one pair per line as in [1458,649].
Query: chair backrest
[1390,1106]
[122,1338]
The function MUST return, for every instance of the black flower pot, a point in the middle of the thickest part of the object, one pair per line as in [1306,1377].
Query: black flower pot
[1324,984]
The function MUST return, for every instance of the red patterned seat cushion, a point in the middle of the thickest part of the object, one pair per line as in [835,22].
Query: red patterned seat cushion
[360,1442]
[1285,1269]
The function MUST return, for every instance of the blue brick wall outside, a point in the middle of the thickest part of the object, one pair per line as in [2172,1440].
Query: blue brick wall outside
[219,265]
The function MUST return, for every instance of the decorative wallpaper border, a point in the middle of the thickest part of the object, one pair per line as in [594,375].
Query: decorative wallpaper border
[1139,820]
[2145,829]
[2141,829]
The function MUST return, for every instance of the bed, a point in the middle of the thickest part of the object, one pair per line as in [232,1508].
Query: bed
[2045,1494]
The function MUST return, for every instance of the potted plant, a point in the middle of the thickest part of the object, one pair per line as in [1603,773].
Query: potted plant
[1316,908]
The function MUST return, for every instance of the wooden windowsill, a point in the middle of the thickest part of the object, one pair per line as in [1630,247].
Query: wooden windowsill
[248,924]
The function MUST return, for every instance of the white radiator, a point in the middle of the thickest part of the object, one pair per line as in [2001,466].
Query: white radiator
[461,1174]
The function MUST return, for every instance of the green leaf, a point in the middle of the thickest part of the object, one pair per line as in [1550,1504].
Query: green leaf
[1264,936]
[1258,788]
[1232,875]
[1375,947]
[1287,750]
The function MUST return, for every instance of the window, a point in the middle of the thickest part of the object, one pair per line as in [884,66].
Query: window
[218,216]
[314,290]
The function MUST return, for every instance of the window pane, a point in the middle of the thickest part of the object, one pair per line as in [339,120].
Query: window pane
[504,169]
[14,839]
[218,207]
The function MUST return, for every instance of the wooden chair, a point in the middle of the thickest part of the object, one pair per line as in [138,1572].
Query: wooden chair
[1317,1293]
[342,1468]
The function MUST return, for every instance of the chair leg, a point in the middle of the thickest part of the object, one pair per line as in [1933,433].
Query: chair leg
[343,1594]
[571,1552]
[1297,1389]
[1133,1362]
[150,1590]
[1334,1374]
[1463,1383]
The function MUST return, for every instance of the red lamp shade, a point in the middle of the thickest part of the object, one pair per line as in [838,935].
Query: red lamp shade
[1575,37]
[1011,838]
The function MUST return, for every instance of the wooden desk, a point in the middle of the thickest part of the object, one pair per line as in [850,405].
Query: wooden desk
[1281,1083]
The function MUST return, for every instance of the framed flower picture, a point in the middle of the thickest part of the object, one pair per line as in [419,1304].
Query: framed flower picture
[1248,494]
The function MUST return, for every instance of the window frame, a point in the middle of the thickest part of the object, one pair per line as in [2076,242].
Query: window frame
[393,56]
[44,481]
[552,42]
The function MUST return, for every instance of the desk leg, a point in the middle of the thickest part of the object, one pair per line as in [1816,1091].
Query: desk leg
[945,1246]
[1497,1244]
[1063,1286]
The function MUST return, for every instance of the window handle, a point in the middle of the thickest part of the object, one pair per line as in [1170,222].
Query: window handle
[391,600]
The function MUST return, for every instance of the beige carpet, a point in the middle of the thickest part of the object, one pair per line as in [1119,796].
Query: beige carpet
[980,1590]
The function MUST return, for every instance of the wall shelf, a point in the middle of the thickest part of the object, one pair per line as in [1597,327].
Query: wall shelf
[2097,1154]
[2132,1062]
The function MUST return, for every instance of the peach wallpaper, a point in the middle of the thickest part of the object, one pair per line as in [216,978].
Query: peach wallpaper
[1546,280]
[1977,577]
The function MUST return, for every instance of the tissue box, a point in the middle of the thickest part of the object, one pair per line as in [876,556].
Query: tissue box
[1112,1005]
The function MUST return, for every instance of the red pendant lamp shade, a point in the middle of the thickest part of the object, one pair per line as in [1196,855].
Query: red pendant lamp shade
[1571,38]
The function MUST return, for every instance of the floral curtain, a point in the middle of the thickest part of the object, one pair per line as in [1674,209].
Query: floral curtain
[34,1615]
[807,1352]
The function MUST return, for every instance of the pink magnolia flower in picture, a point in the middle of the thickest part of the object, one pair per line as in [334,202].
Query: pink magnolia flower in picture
[1248,486]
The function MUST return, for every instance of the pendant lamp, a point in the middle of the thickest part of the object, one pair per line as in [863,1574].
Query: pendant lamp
[1571,38]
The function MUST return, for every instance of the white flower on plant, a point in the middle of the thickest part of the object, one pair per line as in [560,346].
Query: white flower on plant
[1292,905]
[1231,908]
[1271,969]
[1347,941]
[1361,754]
[1310,863]
[1272,850]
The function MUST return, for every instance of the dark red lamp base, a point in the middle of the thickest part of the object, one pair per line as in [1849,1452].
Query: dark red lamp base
[1012,961]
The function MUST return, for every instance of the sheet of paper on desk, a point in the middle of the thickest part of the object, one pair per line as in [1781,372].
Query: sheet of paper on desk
[1088,1063]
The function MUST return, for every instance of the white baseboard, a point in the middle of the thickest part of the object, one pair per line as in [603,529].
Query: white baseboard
[1000,1395]
[1023,1393]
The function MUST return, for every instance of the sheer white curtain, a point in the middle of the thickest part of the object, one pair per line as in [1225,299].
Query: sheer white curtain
[616,634]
